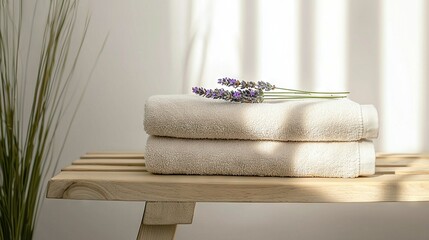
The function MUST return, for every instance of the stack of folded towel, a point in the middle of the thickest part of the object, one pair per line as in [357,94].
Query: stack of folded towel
[295,138]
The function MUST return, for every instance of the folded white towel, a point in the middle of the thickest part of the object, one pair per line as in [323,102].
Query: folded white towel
[188,116]
[261,158]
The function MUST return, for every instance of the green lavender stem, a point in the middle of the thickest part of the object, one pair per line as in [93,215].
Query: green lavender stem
[299,97]
[304,93]
[301,91]
[257,92]
[295,94]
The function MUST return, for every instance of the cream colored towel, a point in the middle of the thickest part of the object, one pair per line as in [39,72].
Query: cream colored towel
[261,158]
[188,116]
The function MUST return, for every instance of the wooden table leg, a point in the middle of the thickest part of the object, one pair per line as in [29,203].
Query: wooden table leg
[161,218]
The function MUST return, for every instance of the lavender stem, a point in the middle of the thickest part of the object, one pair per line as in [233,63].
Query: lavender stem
[296,90]
[300,97]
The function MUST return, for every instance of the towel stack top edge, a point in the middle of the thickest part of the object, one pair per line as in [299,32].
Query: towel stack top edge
[189,116]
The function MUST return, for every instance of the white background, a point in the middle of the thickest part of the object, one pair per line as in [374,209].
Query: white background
[378,50]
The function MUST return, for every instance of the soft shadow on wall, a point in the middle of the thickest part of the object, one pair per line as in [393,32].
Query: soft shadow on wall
[375,49]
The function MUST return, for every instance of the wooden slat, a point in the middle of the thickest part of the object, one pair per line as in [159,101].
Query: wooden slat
[123,176]
[113,155]
[403,155]
[104,168]
[401,161]
[402,170]
[114,162]
[139,186]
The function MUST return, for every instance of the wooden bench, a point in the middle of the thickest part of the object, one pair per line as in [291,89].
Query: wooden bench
[170,199]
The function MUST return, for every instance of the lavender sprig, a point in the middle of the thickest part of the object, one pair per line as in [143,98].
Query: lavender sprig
[232,82]
[265,86]
[257,92]
[243,96]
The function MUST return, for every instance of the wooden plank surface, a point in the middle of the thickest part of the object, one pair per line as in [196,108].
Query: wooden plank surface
[115,162]
[123,176]
[95,155]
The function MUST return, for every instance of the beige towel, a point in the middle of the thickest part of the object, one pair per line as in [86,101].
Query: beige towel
[188,116]
[261,158]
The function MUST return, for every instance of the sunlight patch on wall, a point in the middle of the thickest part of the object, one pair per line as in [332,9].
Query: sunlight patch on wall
[330,23]
[402,75]
[223,55]
[279,42]
[213,47]
[196,40]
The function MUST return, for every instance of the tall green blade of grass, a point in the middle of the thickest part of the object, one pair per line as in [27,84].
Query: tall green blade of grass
[27,138]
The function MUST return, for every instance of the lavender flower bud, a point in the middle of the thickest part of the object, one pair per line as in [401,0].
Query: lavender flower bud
[265,86]
[199,91]
[236,95]
[195,90]
[254,92]
[252,96]
[242,96]
[231,82]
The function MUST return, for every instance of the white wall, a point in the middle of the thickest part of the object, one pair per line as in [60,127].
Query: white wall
[144,56]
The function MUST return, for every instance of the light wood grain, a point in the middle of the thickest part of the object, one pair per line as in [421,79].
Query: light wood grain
[402,162]
[402,155]
[164,213]
[402,170]
[104,168]
[156,232]
[136,186]
[115,155]
[111,161]
[398,178]
[171,198]
[160,218]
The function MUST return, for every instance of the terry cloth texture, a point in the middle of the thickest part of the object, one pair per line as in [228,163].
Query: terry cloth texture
[188,116]
[166,155]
